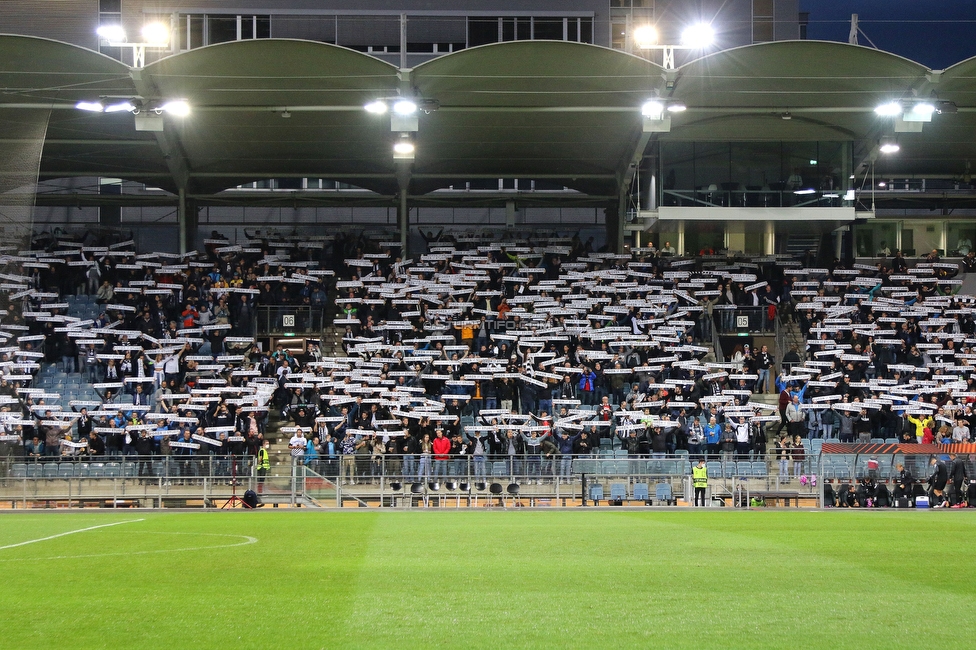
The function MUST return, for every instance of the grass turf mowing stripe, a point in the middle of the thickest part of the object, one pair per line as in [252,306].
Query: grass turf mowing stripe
[502,579]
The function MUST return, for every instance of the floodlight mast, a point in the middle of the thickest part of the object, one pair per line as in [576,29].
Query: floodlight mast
[695,37]
[154,35]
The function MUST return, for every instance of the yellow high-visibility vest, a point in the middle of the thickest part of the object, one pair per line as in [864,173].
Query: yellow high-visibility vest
[700,476]
[263,461]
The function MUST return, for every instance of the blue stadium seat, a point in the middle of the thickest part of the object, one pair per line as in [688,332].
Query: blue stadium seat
[499,468]
[663,492]
[18,470]
[96,470]
[112,470]
[640,492]
[759,468]
[66,470]
[714,469]
[33,470]
[49,470]
[596,492]
[618,491]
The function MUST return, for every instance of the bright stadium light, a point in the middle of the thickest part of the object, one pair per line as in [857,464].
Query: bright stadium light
[652,109]
[93,107]
[923,108]
[404,107]
[889,146]
[889,109]
[645,36]
[177,108]
[698,36]
[377,107]
[120,107]
[111,33]
[677,107]
[403,147]
[155,35]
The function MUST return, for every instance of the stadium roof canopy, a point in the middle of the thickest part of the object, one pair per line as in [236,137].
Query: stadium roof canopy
[566,112]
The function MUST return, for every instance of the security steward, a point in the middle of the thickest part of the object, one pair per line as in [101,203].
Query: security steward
[263,464]
[699,474]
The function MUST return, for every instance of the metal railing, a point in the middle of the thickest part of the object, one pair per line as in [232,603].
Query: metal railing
[147,481]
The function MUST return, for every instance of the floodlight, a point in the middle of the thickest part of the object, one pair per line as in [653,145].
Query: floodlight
[378,107]
[403,147]
[849,196]
[923,108]
[677,107]
[177,108]
[889,109]
[889,145]
[652,109]
[806,190]
[120,107]
[404,107]
[94,107]
[155,34]
[112,33]
[698,36]
[645,36]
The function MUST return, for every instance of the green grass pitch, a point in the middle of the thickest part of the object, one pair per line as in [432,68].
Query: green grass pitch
[569,579]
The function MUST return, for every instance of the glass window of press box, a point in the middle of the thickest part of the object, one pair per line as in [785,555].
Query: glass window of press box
[915,237]
[754,174]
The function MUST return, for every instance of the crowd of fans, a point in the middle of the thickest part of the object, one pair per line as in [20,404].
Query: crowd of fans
[530,353]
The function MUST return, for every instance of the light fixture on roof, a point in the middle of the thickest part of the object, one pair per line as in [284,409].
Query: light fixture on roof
[882,184]
[120,107]
[677,107]
[657,119]
[920,112]
[805,190]
[889,109]
[889,145]
[92,107]
[155,34]
[377,107]
[403,148]
[653,109]
[404,107]
[645,36]
[699,36]
[111,33]
[176,108]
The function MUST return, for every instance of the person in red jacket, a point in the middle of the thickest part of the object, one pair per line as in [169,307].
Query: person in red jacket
[442,449]
[190,316]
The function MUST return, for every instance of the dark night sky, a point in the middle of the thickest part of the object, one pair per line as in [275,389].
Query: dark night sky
[935,33]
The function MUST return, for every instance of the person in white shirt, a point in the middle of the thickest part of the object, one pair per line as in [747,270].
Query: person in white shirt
[297,445]
[960,433]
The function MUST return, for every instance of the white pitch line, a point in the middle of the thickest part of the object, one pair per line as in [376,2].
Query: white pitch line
[70,532]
